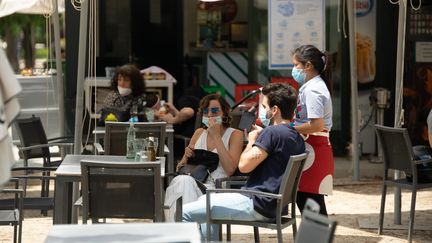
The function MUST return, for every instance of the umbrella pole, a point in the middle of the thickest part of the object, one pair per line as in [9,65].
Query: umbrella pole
[59,67]
[354,91]
[80,77]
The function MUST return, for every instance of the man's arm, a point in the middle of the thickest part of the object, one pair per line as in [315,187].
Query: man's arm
[252,156]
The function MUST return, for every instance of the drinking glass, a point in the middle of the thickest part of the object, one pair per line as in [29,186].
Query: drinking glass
[150,114]
[138,146]
[155,141]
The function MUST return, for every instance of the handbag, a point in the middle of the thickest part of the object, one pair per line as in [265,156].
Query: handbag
[200,165]
[113,114]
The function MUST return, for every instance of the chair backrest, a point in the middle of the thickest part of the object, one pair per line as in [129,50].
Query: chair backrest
[290,181]
[121,190]
[396,148]
[315,227]
[116,134]
[31,132]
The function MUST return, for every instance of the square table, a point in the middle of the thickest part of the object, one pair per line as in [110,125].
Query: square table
[130,232]
[68,173]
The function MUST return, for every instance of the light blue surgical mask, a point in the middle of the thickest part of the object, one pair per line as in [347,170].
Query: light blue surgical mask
[298,75]
[264,118]
[205,120]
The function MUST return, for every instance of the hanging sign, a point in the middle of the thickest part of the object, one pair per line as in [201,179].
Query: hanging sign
[293,23]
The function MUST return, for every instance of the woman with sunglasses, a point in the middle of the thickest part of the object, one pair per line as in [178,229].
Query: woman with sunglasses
[216,136]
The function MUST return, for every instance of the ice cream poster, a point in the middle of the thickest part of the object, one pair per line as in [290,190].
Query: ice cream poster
[365,41]
[293,23]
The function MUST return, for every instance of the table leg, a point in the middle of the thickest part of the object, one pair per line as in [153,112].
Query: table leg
[62,201]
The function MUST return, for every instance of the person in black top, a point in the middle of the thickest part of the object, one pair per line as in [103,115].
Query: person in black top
[265,158]
[183,117]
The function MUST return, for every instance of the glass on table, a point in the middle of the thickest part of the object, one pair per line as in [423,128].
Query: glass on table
[155,141]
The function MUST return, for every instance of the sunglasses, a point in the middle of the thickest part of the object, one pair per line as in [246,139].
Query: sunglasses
[213,110]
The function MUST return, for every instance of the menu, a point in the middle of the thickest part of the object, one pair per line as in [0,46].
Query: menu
[293,23]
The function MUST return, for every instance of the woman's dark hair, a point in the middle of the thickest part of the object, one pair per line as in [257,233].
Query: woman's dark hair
[204,103]
[282,95]
[320,61]
[133,73]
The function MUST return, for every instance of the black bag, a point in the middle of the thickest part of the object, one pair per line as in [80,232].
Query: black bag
[113,114]
[424,171]
[200,165]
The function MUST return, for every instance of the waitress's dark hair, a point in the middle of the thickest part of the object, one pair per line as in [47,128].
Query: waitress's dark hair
[133,73]
[319,60]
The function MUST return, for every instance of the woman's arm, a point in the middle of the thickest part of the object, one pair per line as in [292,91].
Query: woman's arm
[229,159]
[315,125]
[189,149]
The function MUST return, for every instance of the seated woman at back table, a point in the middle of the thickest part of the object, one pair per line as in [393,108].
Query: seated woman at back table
[128,89]
[215,136]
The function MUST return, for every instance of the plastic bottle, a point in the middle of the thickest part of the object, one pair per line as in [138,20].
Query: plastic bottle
[151,152]
[162,109]
[130,152]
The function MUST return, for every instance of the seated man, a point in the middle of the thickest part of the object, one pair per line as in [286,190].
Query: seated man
[265,157]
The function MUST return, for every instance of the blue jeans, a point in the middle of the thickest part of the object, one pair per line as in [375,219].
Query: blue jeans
[223,206]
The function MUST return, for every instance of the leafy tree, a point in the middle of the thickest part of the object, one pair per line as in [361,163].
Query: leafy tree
[16,29]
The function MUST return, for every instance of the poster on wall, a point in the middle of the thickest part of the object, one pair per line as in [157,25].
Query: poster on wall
[365,42]
[293,23]
[365,50]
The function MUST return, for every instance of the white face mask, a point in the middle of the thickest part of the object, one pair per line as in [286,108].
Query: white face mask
[124,91]
[205,120]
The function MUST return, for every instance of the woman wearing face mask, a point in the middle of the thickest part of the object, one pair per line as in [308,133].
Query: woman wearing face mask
[313,119]
[215,136]
[128,88]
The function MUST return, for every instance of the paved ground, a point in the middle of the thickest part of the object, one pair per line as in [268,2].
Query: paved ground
[351,203]
[355,206]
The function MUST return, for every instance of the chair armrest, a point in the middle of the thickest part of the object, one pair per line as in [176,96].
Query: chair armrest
[219,181]
[66,139]
[255,193]
[422,161]
[46,145]
[34,168]
[99,149]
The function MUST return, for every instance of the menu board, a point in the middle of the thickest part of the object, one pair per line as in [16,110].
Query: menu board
[293,23]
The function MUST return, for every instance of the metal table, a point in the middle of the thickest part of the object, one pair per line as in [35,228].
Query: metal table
[131,232]
[68,173]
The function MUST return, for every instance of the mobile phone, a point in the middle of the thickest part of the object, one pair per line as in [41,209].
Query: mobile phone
[246,121]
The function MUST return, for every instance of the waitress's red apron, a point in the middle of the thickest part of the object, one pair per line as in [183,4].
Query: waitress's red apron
[317,176]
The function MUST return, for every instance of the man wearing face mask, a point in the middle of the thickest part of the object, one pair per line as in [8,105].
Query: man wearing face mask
[265,158]
[128,89]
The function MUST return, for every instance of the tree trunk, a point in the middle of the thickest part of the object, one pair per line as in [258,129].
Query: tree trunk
[12,48]
[29,45]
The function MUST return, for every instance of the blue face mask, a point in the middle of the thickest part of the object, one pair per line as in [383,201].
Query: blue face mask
[264,118]
[298,75]
[205,120]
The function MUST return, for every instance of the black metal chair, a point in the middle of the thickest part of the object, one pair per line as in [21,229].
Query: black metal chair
[315,227]
[116,133]
[35,144]
[14,214]
[121,190]
[286,196]
[25,175]
[398,155]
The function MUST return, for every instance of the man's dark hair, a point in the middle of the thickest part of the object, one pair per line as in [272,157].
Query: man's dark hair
[283,96]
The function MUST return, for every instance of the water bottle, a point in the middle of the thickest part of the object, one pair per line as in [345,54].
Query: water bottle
[130,152]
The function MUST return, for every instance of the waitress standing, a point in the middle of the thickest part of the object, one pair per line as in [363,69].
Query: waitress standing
[313,119]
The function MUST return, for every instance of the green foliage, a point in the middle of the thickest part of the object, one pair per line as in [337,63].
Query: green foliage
[41,53]
[17,21]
